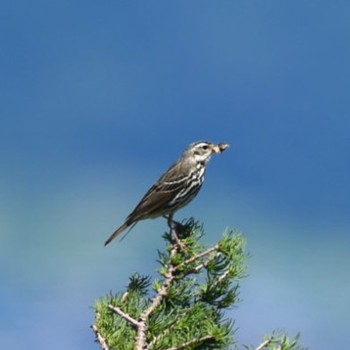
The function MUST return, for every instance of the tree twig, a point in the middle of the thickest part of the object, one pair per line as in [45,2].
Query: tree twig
[222,277]
[198,256]
[158,337]
[99,338]
[124,297]
[263,344]
[124,315]
[204,264]
[191,342]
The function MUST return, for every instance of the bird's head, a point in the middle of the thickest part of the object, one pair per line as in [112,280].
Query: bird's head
[202,151]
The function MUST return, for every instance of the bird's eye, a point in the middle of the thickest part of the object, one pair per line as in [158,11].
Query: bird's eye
[205,147]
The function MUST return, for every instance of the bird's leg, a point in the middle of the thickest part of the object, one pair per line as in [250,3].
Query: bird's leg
[177,225]
[173,225]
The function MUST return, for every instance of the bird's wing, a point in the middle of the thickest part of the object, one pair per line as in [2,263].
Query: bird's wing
[161,193]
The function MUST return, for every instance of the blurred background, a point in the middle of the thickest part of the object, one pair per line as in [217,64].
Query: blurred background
[99,98]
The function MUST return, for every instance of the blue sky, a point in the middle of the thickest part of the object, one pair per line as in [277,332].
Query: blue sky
[98,99]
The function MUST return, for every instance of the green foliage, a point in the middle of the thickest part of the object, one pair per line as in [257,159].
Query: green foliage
[184,307]
[279,340]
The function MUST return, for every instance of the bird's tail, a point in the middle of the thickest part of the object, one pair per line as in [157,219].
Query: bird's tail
[117,232]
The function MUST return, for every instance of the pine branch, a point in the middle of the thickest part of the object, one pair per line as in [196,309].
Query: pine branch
[185,310]
[185,257]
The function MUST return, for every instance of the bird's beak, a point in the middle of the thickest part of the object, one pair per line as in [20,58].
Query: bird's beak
[220,147]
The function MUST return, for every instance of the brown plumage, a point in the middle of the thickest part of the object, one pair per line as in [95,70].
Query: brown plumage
[176,187]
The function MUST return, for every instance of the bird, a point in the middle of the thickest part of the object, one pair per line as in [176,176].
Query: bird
[175,188]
